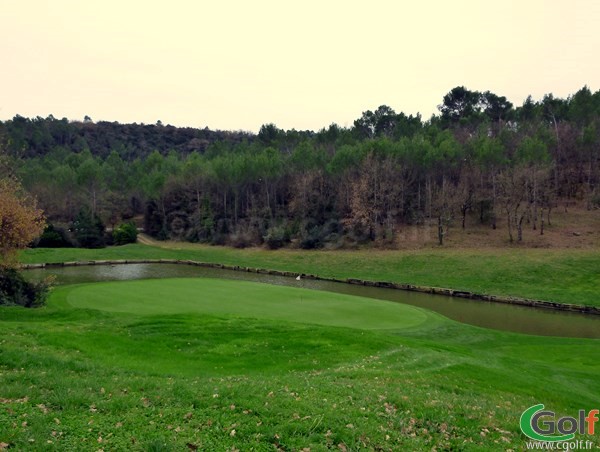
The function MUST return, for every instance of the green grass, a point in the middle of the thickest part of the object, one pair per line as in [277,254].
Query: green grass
[567,276]
[244,299]
[159,364]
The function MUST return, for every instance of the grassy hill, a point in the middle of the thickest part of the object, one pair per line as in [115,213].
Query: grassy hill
[220,365]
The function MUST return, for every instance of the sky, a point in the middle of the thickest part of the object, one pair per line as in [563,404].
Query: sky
[235,65]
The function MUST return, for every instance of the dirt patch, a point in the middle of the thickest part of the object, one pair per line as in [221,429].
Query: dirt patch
[571,226]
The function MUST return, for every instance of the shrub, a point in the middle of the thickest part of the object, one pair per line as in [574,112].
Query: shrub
[276,237]
[15,290]
[54,237]
[241,239]
[311,238]
[124,233]
[89,230]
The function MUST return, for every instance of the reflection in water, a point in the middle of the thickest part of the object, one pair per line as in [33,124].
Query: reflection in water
[499,316]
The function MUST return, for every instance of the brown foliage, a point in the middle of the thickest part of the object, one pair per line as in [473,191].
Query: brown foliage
[20,220]
[377,195]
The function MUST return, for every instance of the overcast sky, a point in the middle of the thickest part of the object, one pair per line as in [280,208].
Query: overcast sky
[304,64]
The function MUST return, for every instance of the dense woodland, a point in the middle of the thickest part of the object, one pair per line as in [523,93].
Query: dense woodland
[481,160]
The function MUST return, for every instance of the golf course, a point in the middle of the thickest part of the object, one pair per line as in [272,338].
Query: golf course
[214,364]
[300,227]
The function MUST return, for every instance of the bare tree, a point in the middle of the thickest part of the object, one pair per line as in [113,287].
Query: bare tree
[513,199]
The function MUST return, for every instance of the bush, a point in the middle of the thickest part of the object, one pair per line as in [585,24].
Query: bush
[124,233]
[311,238]
[15,290]
[54,237]
[89,230]
[276,237]
[241,239]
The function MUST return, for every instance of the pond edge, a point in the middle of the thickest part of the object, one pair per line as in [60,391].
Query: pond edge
[383,284]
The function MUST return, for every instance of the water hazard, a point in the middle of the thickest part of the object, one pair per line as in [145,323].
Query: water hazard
[520,319]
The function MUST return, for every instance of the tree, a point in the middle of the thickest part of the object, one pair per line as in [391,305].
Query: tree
[589,143]
[269,167]
[20,220]
[533,156]
[375,194]
[381,122]
[202,223]
[582,107]
[513,193]
[445,198]
[465,192]
[529,111]
[20,223]
[152,182]
[387,169]
[489,154]
[269,134]
[497,108]
[459,104]
[89,230]
[6,168]
[407,126]
[89,178]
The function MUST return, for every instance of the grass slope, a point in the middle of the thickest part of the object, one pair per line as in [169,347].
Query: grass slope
[179,364]
[568,276]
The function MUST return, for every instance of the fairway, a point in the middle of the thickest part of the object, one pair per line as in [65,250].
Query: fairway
[241,299]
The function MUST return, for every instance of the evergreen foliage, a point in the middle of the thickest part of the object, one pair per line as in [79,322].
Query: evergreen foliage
[482,159]
[15,290]
[124,233]
[54,237]
[89,229]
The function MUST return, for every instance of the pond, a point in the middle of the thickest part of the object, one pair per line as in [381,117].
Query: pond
[499,316]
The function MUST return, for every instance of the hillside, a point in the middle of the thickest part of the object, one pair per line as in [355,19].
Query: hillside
[39,136]
[390,180]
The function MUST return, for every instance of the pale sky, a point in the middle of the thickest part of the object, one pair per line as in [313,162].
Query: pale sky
[306,64]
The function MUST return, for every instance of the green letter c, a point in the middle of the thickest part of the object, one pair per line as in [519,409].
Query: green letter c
[528,429]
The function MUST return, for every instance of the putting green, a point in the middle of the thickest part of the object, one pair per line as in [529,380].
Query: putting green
[245,299]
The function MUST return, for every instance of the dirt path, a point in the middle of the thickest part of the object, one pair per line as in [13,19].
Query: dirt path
[147,240]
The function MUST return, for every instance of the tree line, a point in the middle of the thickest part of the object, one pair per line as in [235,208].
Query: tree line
[38,136]
[480,160]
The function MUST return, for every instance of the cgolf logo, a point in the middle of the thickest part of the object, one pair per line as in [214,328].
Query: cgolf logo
[541,425]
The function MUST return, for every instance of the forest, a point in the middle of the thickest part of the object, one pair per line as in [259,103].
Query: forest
[481,160]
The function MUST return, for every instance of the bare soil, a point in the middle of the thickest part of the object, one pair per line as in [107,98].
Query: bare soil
[571,225]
